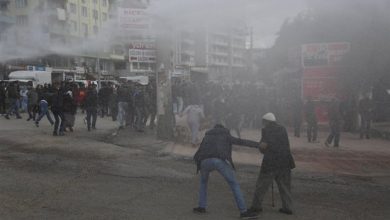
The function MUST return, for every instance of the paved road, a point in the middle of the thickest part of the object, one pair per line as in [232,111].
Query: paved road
[98,175]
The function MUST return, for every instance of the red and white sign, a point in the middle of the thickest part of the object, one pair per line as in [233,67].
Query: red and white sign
[142,51]
[321,65]
[324,54]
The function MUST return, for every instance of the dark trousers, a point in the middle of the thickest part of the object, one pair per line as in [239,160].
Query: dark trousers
[104,109]
[365,126]
[334,134]
[32,111]
[152,118]
[297,128]
[59,119]
[2,105]
[139,116]
[91,117]
[13,107]
[264,181]
[312,128]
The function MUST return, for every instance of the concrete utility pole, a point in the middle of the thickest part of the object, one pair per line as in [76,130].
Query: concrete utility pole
[164,67]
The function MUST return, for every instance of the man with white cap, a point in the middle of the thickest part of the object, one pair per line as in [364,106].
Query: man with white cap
[277,164]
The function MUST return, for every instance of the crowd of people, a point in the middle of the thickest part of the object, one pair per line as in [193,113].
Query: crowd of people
[130,103]
[239,106]
[236,106]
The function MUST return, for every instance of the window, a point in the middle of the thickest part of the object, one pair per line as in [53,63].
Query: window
[73,8]
[85,30]
[74,25]
[83,1]
[21,3]
[22,20]
[95,14]
[104,16]
[95,29]
[104,3]
[95,2]
[84,11]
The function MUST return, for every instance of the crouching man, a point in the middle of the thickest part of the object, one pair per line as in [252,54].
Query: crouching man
[277,164]
[215,153]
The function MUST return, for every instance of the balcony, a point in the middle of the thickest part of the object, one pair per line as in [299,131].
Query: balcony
[188,52]
[6,19]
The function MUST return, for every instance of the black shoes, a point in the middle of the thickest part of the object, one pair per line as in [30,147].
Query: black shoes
[252,209]
[249,215]
[286,211]
[6,116]
[199,210]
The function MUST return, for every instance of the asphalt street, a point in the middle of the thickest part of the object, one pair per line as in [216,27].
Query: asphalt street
[111,174]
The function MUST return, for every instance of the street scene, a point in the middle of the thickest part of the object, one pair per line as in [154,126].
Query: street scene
[132,176]
[194,109]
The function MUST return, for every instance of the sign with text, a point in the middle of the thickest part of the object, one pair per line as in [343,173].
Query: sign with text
[324,54]
[321,65]
[142,51]
[133,19]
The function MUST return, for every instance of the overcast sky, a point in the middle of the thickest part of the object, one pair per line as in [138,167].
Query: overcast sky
[265,16]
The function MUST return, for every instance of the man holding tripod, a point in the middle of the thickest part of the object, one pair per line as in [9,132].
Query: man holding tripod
[277,164]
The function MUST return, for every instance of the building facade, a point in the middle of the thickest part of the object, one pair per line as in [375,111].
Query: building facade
[61,32]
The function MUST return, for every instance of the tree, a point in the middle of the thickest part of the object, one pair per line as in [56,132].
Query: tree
[365,24]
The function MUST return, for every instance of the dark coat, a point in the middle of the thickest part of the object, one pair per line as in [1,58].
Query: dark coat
[70,105]
[91,98]
[310,112]
[217,143]
[57,100]
[277,155]
[13,92]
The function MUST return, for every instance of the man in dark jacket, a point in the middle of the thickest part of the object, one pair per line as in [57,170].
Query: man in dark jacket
[91,105]
[365,111]
[215,153]
[32,103]
[104,98]
[311,119]
[2,98]
[13,96]
[335,119]
[277,164]
[57,105]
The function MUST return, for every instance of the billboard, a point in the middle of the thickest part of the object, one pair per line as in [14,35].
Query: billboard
[142,51]
[133,19]
[324,54]
[321,64]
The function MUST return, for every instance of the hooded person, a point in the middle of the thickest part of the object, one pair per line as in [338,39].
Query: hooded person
[277,164]
[215,154]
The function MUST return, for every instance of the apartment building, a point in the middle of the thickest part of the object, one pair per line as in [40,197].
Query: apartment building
[5,19]
[87,17]
[66,24]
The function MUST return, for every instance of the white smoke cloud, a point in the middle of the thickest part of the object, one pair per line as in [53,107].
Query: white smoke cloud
[264,16]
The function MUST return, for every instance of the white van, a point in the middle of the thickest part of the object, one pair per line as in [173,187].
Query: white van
[36,77]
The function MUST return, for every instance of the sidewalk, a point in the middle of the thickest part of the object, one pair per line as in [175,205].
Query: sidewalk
[381,130]
[355,157]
